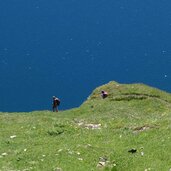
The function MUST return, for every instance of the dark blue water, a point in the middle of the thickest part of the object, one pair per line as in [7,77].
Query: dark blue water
[69,47]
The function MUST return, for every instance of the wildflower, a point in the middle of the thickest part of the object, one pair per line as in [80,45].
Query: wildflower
[59,150]
[4,154]
[80,159]
[142,153]
[13,136]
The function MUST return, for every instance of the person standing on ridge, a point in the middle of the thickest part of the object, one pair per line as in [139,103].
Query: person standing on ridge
[55,104]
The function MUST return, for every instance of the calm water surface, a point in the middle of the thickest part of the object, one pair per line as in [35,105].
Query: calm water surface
[69,47]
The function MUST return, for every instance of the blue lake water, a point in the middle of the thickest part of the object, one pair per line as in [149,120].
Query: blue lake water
[69,47]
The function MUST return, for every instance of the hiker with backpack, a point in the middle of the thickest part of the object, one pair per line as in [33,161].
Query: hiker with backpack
[55,104]
[104,94]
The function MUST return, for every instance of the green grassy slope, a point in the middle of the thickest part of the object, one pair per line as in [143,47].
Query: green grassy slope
[95,136]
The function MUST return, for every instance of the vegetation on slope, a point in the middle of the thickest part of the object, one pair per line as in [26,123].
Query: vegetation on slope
[97,135]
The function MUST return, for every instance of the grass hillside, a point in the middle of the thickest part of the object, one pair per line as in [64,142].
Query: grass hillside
[130,130]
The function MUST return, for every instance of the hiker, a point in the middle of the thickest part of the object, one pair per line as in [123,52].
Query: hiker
[55,104]
[104,94]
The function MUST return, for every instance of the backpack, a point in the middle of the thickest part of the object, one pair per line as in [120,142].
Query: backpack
[58,101]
